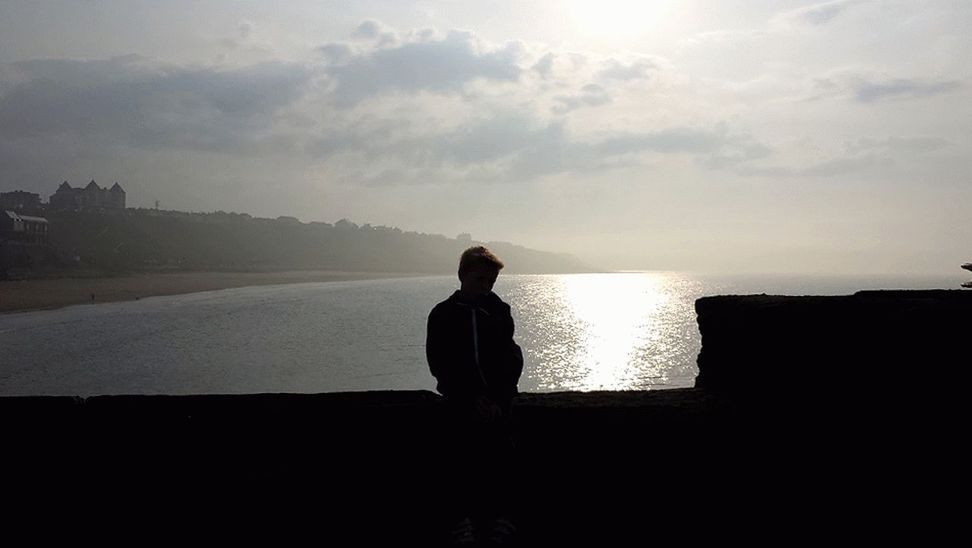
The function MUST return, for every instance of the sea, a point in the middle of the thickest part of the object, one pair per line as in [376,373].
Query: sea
[584,332]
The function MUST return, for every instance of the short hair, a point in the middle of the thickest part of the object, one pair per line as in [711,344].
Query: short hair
[478,256]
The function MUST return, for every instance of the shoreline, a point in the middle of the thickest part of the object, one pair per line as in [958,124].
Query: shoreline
[47,294]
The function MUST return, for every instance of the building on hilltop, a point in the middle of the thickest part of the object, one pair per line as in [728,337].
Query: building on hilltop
[20,201]
[89,197]
[23,228]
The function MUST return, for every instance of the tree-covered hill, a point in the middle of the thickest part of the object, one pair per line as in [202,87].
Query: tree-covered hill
[146,239]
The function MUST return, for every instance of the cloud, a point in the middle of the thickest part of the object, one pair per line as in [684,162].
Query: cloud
[444,65]
[898,145]
[839,166]
[544,66]
[368,30]
[673,140]
[858,155]
[591,95]
[511,146]
[868,87]
[826,168]
[744,150]
[427,62]
[375,31]
[246,29]
[139,102]
[336,53]
[567,69]
[817,14]
[636,70]
[870,91]
[500,136]
[449,107]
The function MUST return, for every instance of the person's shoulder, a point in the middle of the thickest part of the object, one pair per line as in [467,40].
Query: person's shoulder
[444,306]
[496,301]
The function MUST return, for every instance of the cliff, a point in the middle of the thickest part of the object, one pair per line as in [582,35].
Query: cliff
[814,419]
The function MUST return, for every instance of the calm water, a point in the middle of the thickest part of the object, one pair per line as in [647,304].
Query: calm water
[578,332]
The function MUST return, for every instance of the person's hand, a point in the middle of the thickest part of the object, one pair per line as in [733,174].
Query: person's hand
[487,410]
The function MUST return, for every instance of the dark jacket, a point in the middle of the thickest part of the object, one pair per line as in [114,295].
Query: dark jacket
[470,349]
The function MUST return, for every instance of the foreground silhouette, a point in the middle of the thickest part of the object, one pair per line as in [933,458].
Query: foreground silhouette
[471,353]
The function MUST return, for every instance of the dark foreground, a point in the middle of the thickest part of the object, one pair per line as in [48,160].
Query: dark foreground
[816,420]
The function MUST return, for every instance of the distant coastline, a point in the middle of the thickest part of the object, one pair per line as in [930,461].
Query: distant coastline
[69,243]
[43,294]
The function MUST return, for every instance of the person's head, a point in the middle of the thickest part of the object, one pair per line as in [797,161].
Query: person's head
[478,269]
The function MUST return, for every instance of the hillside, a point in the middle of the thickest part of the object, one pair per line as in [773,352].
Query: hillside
[147,239]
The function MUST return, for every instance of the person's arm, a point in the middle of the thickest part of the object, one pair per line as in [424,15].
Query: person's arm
[445,366]
[436,353]
[513,355]
[516,361]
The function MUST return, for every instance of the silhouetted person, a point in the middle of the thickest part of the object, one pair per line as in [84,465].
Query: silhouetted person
[471,353]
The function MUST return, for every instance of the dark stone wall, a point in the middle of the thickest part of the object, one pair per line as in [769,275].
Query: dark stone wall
[874,347]
[370,466]
[860,337]
[863,396]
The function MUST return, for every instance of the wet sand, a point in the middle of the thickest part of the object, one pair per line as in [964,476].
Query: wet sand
[24,295]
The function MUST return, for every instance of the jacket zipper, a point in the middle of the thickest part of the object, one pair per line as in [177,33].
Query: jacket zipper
[475,335]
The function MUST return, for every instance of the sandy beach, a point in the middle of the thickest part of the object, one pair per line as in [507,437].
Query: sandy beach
[24,295]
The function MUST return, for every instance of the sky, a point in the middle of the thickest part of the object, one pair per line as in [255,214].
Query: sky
[721,136]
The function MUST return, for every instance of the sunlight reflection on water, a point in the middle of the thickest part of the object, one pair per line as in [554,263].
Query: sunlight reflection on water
[591,332]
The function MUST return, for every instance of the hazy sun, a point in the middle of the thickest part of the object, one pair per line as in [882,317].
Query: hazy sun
[617,18]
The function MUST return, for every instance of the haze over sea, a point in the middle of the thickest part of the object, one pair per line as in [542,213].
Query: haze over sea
[616,331]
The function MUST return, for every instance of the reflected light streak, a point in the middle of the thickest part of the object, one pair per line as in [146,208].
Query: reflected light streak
[616,320]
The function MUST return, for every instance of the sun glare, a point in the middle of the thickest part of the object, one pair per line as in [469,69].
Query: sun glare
[617,18]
